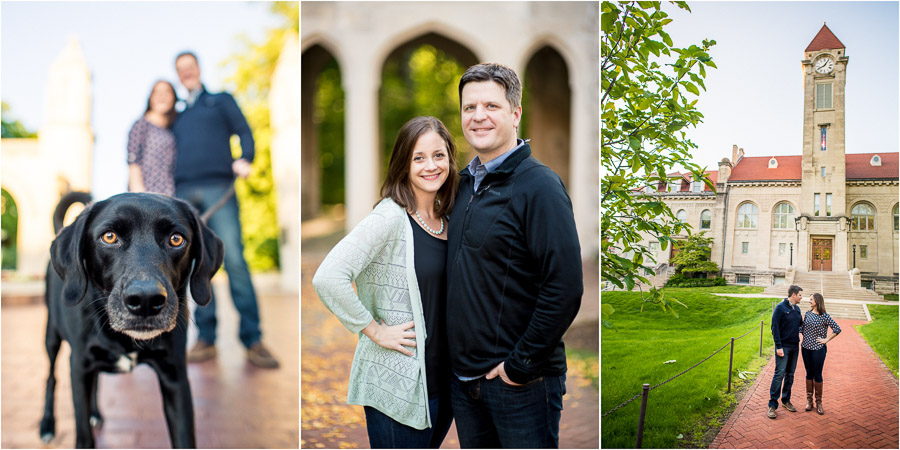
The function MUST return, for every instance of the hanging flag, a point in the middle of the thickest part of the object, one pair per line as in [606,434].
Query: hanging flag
[823,139]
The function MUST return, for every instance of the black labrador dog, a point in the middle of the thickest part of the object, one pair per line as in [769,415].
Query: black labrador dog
[117,294]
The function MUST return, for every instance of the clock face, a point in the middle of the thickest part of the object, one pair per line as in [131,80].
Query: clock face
[824,64]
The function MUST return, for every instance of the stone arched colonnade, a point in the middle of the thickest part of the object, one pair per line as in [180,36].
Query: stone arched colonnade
[554,42]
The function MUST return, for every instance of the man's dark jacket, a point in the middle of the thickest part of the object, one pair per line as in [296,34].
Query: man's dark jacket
[786,322]
[514,275]
[203,138]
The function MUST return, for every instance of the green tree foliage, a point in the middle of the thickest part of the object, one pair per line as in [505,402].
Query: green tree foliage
[253,67]
[10,227]
[693,255]
[329,119]
[649,90]
[422,81]
[13,128]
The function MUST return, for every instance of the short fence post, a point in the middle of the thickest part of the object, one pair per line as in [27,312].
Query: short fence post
[761,322]
[730,362]
[640,433]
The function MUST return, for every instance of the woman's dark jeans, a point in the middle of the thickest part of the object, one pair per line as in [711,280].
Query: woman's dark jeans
[814,362]
[385,432]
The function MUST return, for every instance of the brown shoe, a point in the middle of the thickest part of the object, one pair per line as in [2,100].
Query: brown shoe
[771,414]
[819,409]
[202,351]
[788,406]
[259,356]
[809,395]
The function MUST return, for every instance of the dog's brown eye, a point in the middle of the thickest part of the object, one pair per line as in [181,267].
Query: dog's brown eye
[109,237]
[176,240]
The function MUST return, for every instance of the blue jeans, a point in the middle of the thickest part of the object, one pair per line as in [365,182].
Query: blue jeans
[493,414]
[385,432]
[227,225]
[785,366]
[814,362]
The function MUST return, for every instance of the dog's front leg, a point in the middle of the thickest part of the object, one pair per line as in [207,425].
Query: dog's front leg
[177,402]
[82,385]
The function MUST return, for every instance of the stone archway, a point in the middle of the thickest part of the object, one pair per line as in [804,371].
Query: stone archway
[547,100]
[317,61]
[405,71]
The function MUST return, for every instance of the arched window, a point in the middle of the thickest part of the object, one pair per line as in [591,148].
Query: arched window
[784,216]
[863,217]
[897,217]
[681,215]
[747,216]
[706,219]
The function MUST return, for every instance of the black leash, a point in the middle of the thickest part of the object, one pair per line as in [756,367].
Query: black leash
[217,205]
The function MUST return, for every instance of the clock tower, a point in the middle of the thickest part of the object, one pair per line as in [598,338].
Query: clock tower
[823,204]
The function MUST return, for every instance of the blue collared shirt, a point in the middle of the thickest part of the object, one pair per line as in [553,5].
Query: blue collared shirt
[479,170]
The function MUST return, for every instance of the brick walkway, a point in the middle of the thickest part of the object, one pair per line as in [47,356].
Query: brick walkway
[328,422]
[235,404]
[860,400]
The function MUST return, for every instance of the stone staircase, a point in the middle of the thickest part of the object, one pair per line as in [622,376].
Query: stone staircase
[832,285]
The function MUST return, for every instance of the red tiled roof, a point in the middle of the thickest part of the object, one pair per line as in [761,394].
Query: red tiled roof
[756,168]
[825,39]
[859,166]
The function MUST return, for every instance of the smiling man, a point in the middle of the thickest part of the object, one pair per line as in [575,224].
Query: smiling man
[513,274]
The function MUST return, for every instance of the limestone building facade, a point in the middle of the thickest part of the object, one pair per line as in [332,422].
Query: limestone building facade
[821,211]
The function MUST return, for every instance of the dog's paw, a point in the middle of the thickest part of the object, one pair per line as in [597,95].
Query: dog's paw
[48,429]
[47,437]
[96,421]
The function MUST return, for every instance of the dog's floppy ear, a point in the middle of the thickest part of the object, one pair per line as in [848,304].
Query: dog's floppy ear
[207,253]
[66,256]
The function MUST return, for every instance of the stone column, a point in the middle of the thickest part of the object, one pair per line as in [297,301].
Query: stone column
[284,99]
[584,188]
[361,81]
[801,261]
[839,257]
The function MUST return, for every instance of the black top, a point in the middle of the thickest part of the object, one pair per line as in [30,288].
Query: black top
[431,262]
[786,322]
[514,274]
[816,326]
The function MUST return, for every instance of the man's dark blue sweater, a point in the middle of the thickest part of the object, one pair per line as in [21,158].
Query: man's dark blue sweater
[786,322]
[203,138]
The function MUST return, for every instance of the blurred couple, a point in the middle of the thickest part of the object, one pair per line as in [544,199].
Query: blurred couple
[465,283]
[188,155]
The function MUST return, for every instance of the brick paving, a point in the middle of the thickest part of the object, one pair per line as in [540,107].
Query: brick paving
[859,397]
[236,405]
[327,352]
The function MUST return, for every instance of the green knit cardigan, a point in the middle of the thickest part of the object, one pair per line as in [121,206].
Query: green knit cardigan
[378,255]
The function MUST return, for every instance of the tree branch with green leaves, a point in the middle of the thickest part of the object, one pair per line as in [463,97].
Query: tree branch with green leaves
[650,92]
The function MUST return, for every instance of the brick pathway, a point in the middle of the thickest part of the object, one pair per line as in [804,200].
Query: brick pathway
[235,404]
[328,422]
[860,400]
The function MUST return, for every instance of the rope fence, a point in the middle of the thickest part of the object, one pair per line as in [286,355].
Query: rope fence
[647,388]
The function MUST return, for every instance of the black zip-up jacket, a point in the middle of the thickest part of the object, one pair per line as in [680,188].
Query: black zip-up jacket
[514,278]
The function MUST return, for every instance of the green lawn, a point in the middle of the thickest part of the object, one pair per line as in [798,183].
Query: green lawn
[892,297]
[636,353]
[881,334]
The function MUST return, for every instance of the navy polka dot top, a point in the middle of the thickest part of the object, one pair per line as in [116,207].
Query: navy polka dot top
[816,326]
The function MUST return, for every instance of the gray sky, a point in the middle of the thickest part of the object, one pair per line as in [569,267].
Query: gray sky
[127,45]
[755,97]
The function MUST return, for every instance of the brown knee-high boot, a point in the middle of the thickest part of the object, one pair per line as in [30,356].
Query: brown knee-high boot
[818,387]
[809,395]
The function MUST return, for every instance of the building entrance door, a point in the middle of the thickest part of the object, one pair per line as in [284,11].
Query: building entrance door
[821,254]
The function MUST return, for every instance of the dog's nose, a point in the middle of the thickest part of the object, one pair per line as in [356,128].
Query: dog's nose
[145,297]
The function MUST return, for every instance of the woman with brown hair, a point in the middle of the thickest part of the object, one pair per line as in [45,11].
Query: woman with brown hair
[151,144]
[397,257]
[813,349]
